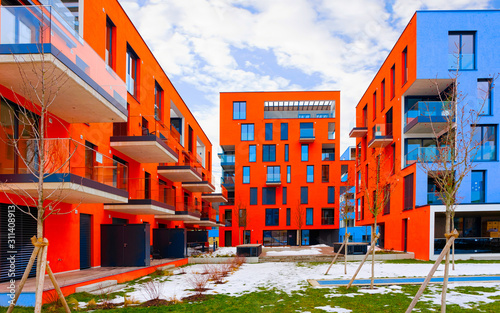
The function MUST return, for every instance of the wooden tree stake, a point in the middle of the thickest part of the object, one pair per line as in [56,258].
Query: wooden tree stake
[372,246]
[338,252]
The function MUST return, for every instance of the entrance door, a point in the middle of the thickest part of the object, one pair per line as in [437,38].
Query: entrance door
[85,240]
[381,230]
[246,236]
[228,238]
[89,159]
[292,237]
[405,235]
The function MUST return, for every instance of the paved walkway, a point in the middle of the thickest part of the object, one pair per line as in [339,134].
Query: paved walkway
[404,280]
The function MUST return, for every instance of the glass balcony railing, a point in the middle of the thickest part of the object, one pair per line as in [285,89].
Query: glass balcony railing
[382,130]
[469,245]
[306,133]
[273,177]
[227,159]
[208,212]
[433,198]
[427,109]
[151,189]
[428,155]
[327,156]
[227,180]
[63,156]
[344,177]
[187,204]
[40,29]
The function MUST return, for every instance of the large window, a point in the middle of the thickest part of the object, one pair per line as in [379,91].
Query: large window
[477,187]
[247,131]
[253,196]
[268,195]
[273,174]
[304,195]
[309,216]
[158,102]
[310,174]
[288,216]
[408,192]
[246,174]
[268,153]
[327,216]
[484,142]
[269,131]
[132,71]
[288,173]
[286,153]
[110,43]
[284,131]
[382,95]
[331,194]
[387,199]
[393,81]
[252,153]
[484,96]
[304,153]
[272,217]
[239,110]
[284,195]
[325,173]
[374,108]
[461,50]
[404,66]
[306,130]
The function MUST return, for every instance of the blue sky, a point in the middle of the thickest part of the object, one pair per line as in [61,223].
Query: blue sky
[210,46]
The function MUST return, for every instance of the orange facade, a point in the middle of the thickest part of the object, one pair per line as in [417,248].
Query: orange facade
[121,157]
[269,179]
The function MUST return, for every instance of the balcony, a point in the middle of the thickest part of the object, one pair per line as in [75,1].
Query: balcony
[73,173]
[147,143]
[199,186]
[273,179]
[427,117]
[228,182]
[208,217]
[358,132]
[307,135]
[227,160]
[216,197]
[146,196]
[428,155]
[33,38]
[381,135]
[186,170]
[185,210]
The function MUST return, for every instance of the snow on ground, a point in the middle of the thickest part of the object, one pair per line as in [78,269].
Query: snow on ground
[308,251]
[222,251]
[289,277]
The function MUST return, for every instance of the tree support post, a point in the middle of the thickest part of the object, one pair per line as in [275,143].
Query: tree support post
[344,243]
[372,246]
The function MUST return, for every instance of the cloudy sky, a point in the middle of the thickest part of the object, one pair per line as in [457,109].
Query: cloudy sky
[209,46]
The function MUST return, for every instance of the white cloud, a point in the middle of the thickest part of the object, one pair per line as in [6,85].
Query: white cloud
[341,42]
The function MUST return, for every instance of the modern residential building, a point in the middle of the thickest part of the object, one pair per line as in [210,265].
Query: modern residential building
[280,160]
[125,148]
[395,120]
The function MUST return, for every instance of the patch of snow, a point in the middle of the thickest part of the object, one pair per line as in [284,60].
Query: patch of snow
[328,308]
[295,252]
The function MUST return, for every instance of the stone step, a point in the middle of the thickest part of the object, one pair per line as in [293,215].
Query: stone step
[96,286]
[109,289]
[169,267]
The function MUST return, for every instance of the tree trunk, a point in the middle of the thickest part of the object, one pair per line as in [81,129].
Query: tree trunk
[374,231]
[447,262]
[345,248]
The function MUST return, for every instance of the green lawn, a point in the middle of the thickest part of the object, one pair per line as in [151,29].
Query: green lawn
[269,300]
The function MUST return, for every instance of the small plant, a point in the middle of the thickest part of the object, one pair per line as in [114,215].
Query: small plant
[225,268]
[73,304]
[91,305]
[197,282]
[130,301]
[153,289]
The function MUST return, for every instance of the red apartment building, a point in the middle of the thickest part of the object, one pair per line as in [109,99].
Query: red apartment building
[280,160]
[137,155]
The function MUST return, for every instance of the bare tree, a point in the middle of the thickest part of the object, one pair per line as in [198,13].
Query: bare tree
[300,212]
[453,123]
[39,156]
[346,211]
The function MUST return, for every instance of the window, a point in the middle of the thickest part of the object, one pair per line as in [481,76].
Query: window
[404,65]
[327,216]
[247,132]
[325,173]
[284,196]
[158,102]
[228,217]
[322,115]
[387,199]
[253,196]
[306,130]
[110,43]
[304,153]
[273,174]
[328,154]
[284,131]
[242,219]
[268,153]
[331,194]
[408,192]
[393,81]
[477,187]
[252,153]
[461,50]
[132,71]
[309,216]
[304,195]
[239,110]
[288,174]
[344,173]
[484,142]
[374,110]
[304,115]
[268,195]
[382,94]
[288,216]
[286,153]
[246,174]
[310,174]
[272,217]
[484,96]
[269,131]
